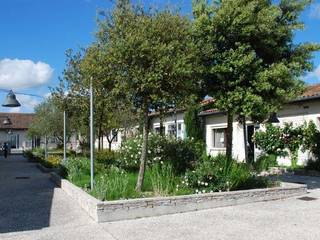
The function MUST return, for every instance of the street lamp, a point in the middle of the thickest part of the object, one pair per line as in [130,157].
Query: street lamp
[6,121]
[11,100]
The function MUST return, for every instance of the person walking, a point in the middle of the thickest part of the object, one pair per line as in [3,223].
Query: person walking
[5,150]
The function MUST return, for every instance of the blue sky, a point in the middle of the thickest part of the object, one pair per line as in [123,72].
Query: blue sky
[36,33]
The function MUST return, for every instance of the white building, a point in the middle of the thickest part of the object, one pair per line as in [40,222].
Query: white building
[304,109]
[16,133]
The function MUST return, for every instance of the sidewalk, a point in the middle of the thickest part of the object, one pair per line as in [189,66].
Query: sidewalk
[30,201]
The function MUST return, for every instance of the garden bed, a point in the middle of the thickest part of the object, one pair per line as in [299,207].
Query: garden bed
[107,211]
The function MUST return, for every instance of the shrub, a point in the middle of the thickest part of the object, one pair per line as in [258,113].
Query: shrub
[77,168]
[219,174]
[111,185]
[162,179]
[271,140]
[106,157]
[181,154]
[53,160]
[288,140]
[264,162]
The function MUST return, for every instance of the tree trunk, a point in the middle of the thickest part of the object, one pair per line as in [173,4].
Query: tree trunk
[161,116]
[110,145]
[144,150]
[244,125]
[229,135]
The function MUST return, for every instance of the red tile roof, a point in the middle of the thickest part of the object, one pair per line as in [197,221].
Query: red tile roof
[312,91]
[19,120]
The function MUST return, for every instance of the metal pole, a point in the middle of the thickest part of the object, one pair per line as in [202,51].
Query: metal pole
[64,137]
[45,148]
[91,136]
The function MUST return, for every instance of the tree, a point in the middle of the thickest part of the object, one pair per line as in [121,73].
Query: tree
[193,123]
[152,57]
[251,65]
[46,122]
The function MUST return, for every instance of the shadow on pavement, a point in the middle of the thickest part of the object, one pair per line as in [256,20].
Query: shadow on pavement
[311,182]
[25,195]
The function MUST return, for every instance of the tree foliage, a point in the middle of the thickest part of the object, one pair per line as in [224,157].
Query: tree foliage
[251,65]
[152,58]
[47,122]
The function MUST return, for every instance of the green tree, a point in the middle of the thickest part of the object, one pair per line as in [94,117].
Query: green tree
[251,65]
[152,56]
[46,122]
[193,123]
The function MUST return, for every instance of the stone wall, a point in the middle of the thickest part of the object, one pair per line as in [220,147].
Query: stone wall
[146,207]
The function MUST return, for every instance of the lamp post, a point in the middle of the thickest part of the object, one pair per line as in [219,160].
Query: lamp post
[91,137]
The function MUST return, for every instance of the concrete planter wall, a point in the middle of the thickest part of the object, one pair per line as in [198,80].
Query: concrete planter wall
[146,207]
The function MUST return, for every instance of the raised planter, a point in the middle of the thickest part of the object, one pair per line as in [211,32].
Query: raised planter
[108,211]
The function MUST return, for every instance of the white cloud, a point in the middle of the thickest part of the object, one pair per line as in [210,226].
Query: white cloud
[313,76]
[21,74]
[315,11]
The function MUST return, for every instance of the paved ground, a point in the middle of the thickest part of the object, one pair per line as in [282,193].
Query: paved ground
[285,219]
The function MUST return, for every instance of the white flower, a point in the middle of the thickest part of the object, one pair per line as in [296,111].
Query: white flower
[199,182]
[206,184]
[182,182]
[203,191]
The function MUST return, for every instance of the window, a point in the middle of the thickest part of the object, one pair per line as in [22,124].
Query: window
[157,130]
[219,136]
[171,129]
[180,130]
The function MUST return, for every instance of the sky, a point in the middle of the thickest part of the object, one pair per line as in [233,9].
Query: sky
[35,34]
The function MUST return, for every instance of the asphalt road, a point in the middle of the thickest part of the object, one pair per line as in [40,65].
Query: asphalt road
[293,218]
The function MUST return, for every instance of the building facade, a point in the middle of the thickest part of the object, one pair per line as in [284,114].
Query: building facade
[15,134]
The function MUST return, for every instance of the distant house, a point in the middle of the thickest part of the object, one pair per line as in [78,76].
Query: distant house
[16,133]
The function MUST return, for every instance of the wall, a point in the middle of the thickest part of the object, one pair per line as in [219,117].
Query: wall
[24,141]
[297,113]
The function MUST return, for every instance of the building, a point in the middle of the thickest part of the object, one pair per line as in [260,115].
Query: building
[304,109]
[16,133]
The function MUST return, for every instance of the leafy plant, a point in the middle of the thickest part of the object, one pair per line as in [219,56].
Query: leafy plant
[181,154]
[111,185]
[265,161]
[220,173]
[106,157]
[162,179]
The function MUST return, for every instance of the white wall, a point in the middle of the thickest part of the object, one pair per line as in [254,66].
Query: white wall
[297,113]
[24,141]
